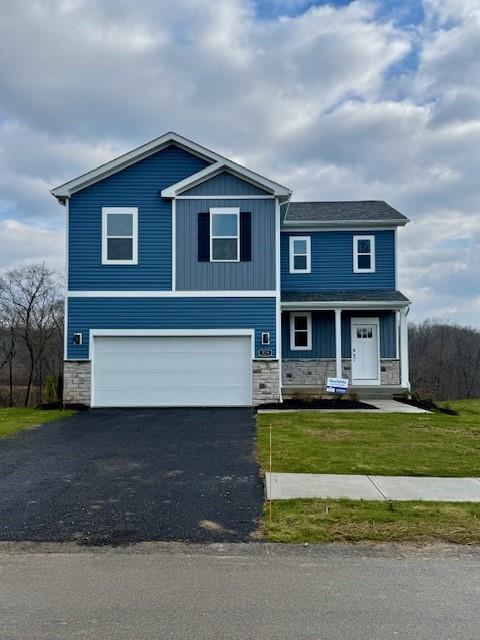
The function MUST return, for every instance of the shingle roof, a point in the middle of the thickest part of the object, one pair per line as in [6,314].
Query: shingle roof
[343,296]
[342,211]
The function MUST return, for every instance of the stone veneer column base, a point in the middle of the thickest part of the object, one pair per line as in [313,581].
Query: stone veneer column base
[265,381]
[76,382]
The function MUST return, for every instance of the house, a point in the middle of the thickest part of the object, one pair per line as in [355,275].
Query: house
[195,281]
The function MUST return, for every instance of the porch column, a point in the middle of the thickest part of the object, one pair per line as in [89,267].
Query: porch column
[404,377]
[338,343]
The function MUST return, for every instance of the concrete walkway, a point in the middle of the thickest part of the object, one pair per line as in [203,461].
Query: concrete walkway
[382,406]
[285,486]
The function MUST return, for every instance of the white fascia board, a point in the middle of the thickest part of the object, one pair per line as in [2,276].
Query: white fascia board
[219,167]
[356,229]
[117,164]
[173,294]
[383,306]
[301,224]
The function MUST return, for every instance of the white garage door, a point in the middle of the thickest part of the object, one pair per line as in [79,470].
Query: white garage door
[133,371]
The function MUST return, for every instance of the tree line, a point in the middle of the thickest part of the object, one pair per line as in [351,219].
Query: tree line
[444,357]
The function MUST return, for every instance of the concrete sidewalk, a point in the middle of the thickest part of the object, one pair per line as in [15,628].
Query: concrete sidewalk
[382,406]
[286,486]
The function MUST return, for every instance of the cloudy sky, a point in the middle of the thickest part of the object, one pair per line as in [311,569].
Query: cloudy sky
[339,100]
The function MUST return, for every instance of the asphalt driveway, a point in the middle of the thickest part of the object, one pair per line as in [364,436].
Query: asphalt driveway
[127,475]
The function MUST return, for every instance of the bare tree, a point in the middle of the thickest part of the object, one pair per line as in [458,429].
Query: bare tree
[30,300]
[444,360]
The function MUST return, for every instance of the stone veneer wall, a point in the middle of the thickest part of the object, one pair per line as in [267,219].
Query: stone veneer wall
[265,382]
[77,379]
[314,372]
[390,372]
[76,382]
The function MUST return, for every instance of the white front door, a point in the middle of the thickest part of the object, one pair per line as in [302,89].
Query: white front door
[365,351]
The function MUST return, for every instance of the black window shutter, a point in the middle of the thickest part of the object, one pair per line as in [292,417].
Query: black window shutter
[204,237]
[245,236]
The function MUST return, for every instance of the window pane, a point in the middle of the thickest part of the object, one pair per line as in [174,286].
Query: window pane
[224,249]
[300,323]
[119,224]
[224,224]
[299,246]
[300,262]
[119,249]
[301,339]
[363,246]
[364,262]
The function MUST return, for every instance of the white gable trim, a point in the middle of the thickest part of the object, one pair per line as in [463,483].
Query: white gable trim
[65,190]
[230,167]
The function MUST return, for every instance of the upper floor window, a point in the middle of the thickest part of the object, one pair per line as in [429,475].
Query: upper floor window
[300,254]
[300,331]
[363,254]
[225,234]
[119,235]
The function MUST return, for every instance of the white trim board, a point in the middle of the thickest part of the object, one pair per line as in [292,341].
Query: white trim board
[336,227]
[242,197]
[117,164]
[343,223]
[331,306]
[172,294]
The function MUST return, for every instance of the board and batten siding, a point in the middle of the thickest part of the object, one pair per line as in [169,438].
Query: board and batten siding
[256,274]
[168,313]
[138,185]
[225,184]
[323,334]
[332,262]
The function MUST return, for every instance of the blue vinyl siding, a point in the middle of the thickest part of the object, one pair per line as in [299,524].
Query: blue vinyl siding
[332,262]
[168,313]
[323,334]
[139,185]
[256,274]
[225,184]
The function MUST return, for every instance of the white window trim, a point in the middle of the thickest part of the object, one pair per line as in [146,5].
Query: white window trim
[133,211]
[292,255]
[224,211]
[356,268]
[309,331]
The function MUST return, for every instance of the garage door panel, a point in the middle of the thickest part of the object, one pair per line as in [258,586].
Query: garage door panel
[172,371]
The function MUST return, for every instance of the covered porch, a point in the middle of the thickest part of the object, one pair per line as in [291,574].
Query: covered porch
[359,335]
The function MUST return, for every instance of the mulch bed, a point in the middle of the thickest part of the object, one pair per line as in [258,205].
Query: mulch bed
[318,404]
[428,405]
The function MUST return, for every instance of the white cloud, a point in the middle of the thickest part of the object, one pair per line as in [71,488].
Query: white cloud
[315,101]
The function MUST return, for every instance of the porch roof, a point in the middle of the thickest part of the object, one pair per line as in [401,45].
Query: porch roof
[344,298]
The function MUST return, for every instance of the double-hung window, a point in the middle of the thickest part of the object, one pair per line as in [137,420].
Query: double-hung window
[300,331]
[300,254]
[119,235]
[363,254]
[224,234]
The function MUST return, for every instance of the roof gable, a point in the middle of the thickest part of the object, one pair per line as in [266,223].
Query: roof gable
[225,183]
[65,190]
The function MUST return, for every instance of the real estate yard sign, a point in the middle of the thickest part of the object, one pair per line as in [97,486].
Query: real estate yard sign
[337,385]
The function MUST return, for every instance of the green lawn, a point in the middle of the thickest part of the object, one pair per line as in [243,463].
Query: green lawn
[382,444]
[15,419]
[321,521]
